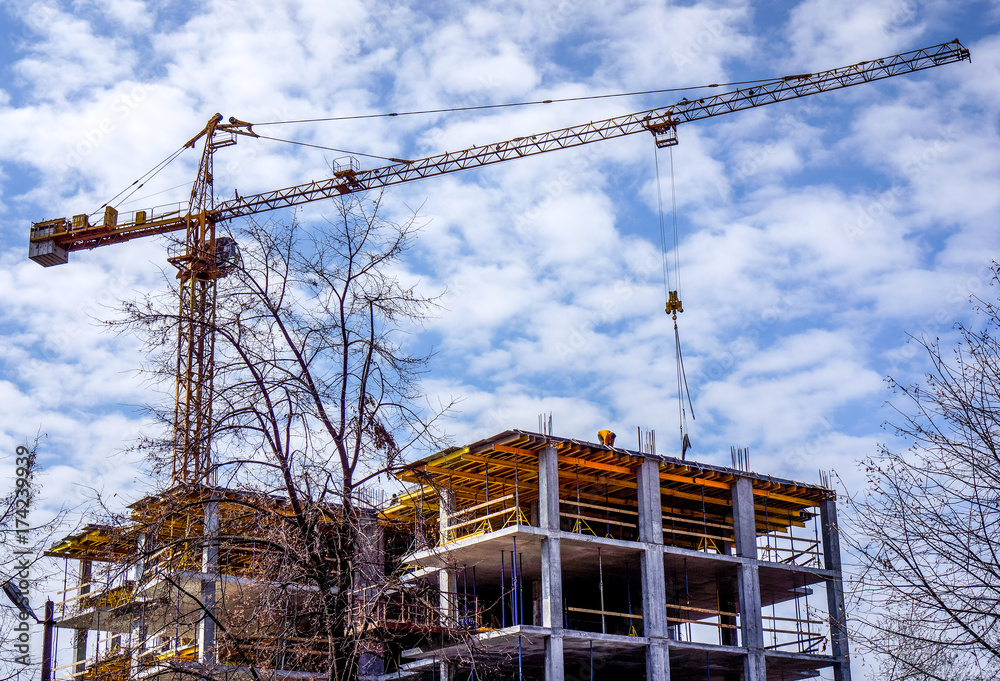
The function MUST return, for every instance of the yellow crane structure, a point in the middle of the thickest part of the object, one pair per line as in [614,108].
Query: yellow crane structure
[207,256]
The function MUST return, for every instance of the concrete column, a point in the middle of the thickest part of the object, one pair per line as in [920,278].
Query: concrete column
[551,549]
[80,637]
[139,621]
[210,568]
[654,594]
[744,521]
[446,671]
[536,602]
[447,585]
[447,577]
[748,580]
[369,547]
[835,591]
[654,589]
[650,511]
[548,488]
[446,506]
[554,658]
[552,598]
[657,662]
[140,562]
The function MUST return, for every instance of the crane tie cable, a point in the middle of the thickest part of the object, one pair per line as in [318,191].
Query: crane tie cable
[339,151]
[139,182]
[482,107]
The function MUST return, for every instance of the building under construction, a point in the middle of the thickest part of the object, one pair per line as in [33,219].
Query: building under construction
[521,556]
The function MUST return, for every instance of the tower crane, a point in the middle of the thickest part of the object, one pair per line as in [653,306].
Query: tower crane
[207,257]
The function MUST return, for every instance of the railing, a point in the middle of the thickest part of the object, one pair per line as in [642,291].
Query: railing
[407,609]
[109,598]
[604,621]
[114,665]
[169,650]
[705,625]
[698,534]
[100,594]
[794,634]
[789,549]
[483,519]
[263,651]
[175,558]
[292,653]
[586,518]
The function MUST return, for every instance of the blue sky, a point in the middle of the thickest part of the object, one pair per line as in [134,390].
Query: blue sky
[814,234]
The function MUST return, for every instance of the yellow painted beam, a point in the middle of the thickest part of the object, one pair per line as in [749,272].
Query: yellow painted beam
[690,480]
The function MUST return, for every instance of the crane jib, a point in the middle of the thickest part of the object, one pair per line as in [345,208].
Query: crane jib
[52,240]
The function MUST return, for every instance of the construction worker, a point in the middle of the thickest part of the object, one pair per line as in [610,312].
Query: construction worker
[606,437]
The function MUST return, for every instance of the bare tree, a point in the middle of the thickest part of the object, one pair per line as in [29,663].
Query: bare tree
[909,650]
[316,399]
[928,528]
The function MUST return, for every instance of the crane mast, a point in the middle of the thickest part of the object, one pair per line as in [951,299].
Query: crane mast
[205,258]
[197,269]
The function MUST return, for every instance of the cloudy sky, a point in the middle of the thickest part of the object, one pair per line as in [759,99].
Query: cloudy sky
[814,234]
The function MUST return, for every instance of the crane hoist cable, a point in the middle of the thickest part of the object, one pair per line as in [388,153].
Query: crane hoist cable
[673,297]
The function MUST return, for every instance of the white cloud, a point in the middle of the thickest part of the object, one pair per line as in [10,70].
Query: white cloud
[824,32]
[66,58]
